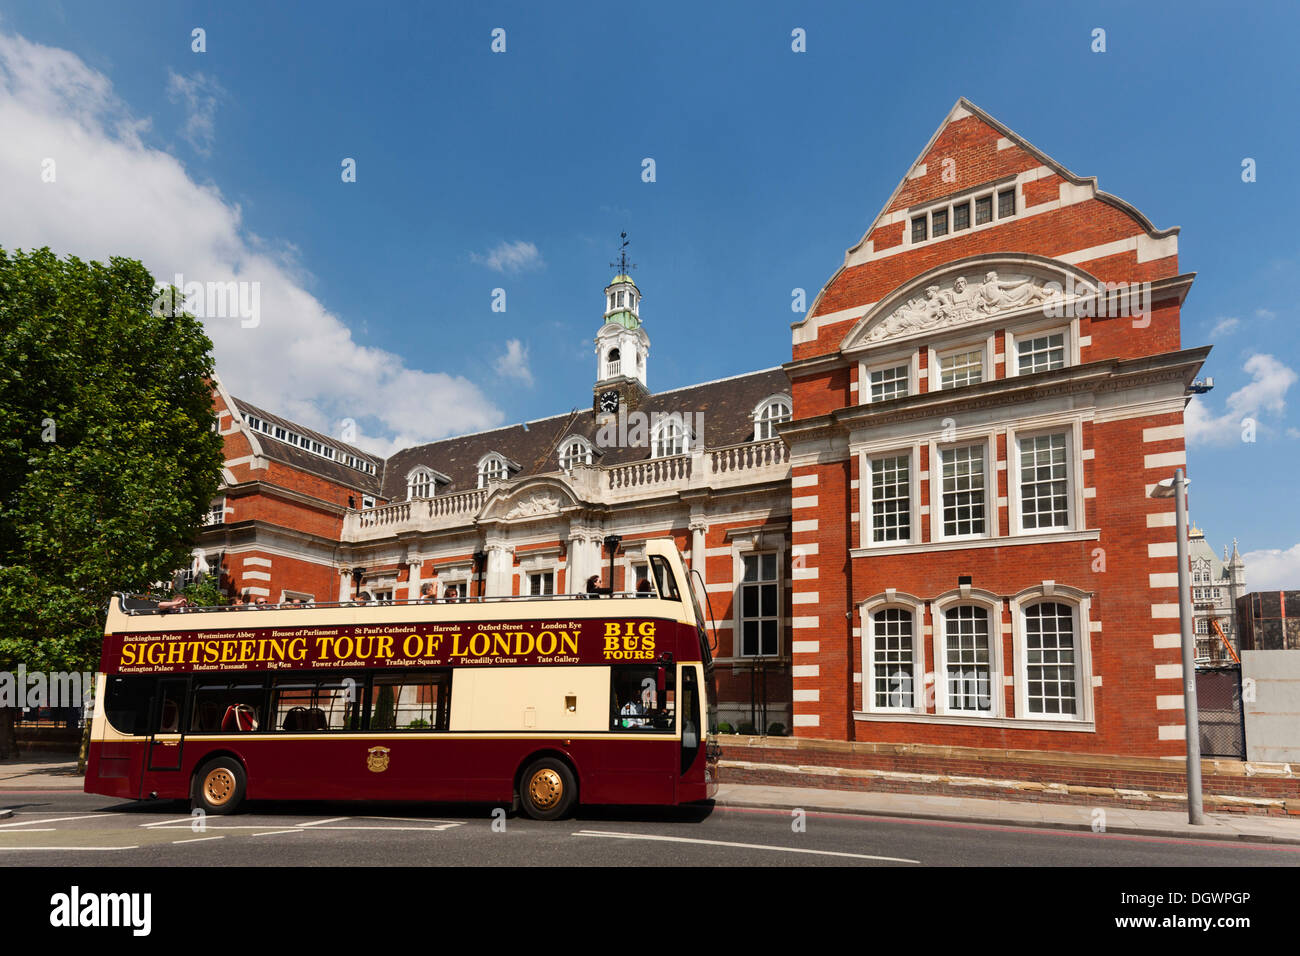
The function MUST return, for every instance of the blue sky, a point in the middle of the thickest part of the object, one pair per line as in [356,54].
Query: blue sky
[517,170]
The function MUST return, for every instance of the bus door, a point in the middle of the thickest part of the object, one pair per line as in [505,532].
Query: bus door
[166,742]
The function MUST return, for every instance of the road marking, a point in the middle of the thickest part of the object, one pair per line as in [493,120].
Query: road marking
[52,820]
[197,840]
[275,832]
[38,830]
[375,829]
[316,823]
[161,823]
[404,819]
[25,849]
[743,846]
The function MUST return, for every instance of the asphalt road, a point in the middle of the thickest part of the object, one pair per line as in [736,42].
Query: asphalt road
[85,830]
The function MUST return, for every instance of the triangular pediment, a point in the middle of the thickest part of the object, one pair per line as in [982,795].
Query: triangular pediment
[971,292]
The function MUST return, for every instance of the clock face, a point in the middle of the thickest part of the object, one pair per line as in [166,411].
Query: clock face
[609,401]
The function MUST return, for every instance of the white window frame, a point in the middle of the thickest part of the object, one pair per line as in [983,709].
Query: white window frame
[939,608]
[866,485]
[1070,329]
[420,476]
[984,346]
[738,632]
[1073,473]
[492,458]
[990,487]
[967,197]
[672,419]
[585,455]
[920,688]
[911,358]
[528,578]
[1081,604]
[763,419]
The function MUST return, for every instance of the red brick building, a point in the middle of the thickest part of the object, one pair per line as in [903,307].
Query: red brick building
[949,542]
[527,508]
[984,394]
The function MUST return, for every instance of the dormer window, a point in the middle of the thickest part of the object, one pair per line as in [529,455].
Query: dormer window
[670,437]
[770,413]
[494,467]
[420,484]
[575,451]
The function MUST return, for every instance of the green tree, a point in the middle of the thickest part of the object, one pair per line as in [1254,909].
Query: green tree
[108,458]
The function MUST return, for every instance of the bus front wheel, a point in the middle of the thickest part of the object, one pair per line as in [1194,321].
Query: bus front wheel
[219,786]
[547,790]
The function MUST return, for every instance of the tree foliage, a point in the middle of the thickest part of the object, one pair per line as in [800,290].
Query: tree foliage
[108,459]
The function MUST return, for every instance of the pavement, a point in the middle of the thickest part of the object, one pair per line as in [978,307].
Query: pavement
[42,772]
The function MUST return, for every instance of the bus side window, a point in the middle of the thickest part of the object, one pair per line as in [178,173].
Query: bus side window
[664,578]
[126,703]
[642,697]
[410,701]
[228,708]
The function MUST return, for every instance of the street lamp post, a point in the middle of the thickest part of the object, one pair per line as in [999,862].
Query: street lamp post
[1176,487]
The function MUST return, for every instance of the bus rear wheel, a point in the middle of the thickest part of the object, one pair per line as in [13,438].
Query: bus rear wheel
[547,790]
[219,786]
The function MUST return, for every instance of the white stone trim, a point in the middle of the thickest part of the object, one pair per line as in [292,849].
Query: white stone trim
[805,670]
[1162,549]
[1164,579]
[1162,519]
[1169,672]
[1172,731]
[1163,433]
[1168,459]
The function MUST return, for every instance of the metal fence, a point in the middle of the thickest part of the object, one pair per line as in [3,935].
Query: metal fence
[1218,697]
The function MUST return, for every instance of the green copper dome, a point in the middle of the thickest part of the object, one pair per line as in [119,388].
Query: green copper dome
[623,278]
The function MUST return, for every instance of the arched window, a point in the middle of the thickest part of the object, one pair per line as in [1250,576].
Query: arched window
[491,468]
[670,437]
[420,484]
[613,364]
[575,451]
[770,413]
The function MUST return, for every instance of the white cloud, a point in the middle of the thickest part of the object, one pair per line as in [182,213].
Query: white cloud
[514,362]
[1224,327]
[116,195]
[1272,569]
[1265,314]
[516,256]
[1266,392]
[199,93]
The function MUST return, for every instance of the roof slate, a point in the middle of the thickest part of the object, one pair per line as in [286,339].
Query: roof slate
[725,406]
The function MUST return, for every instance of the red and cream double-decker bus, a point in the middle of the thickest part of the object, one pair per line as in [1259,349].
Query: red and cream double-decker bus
[538,702]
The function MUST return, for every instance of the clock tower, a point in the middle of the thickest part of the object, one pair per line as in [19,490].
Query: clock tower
[622,347]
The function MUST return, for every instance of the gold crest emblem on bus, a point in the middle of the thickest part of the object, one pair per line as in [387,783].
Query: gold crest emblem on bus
[377,759]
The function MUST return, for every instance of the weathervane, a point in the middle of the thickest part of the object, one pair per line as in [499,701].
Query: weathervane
[622,265]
